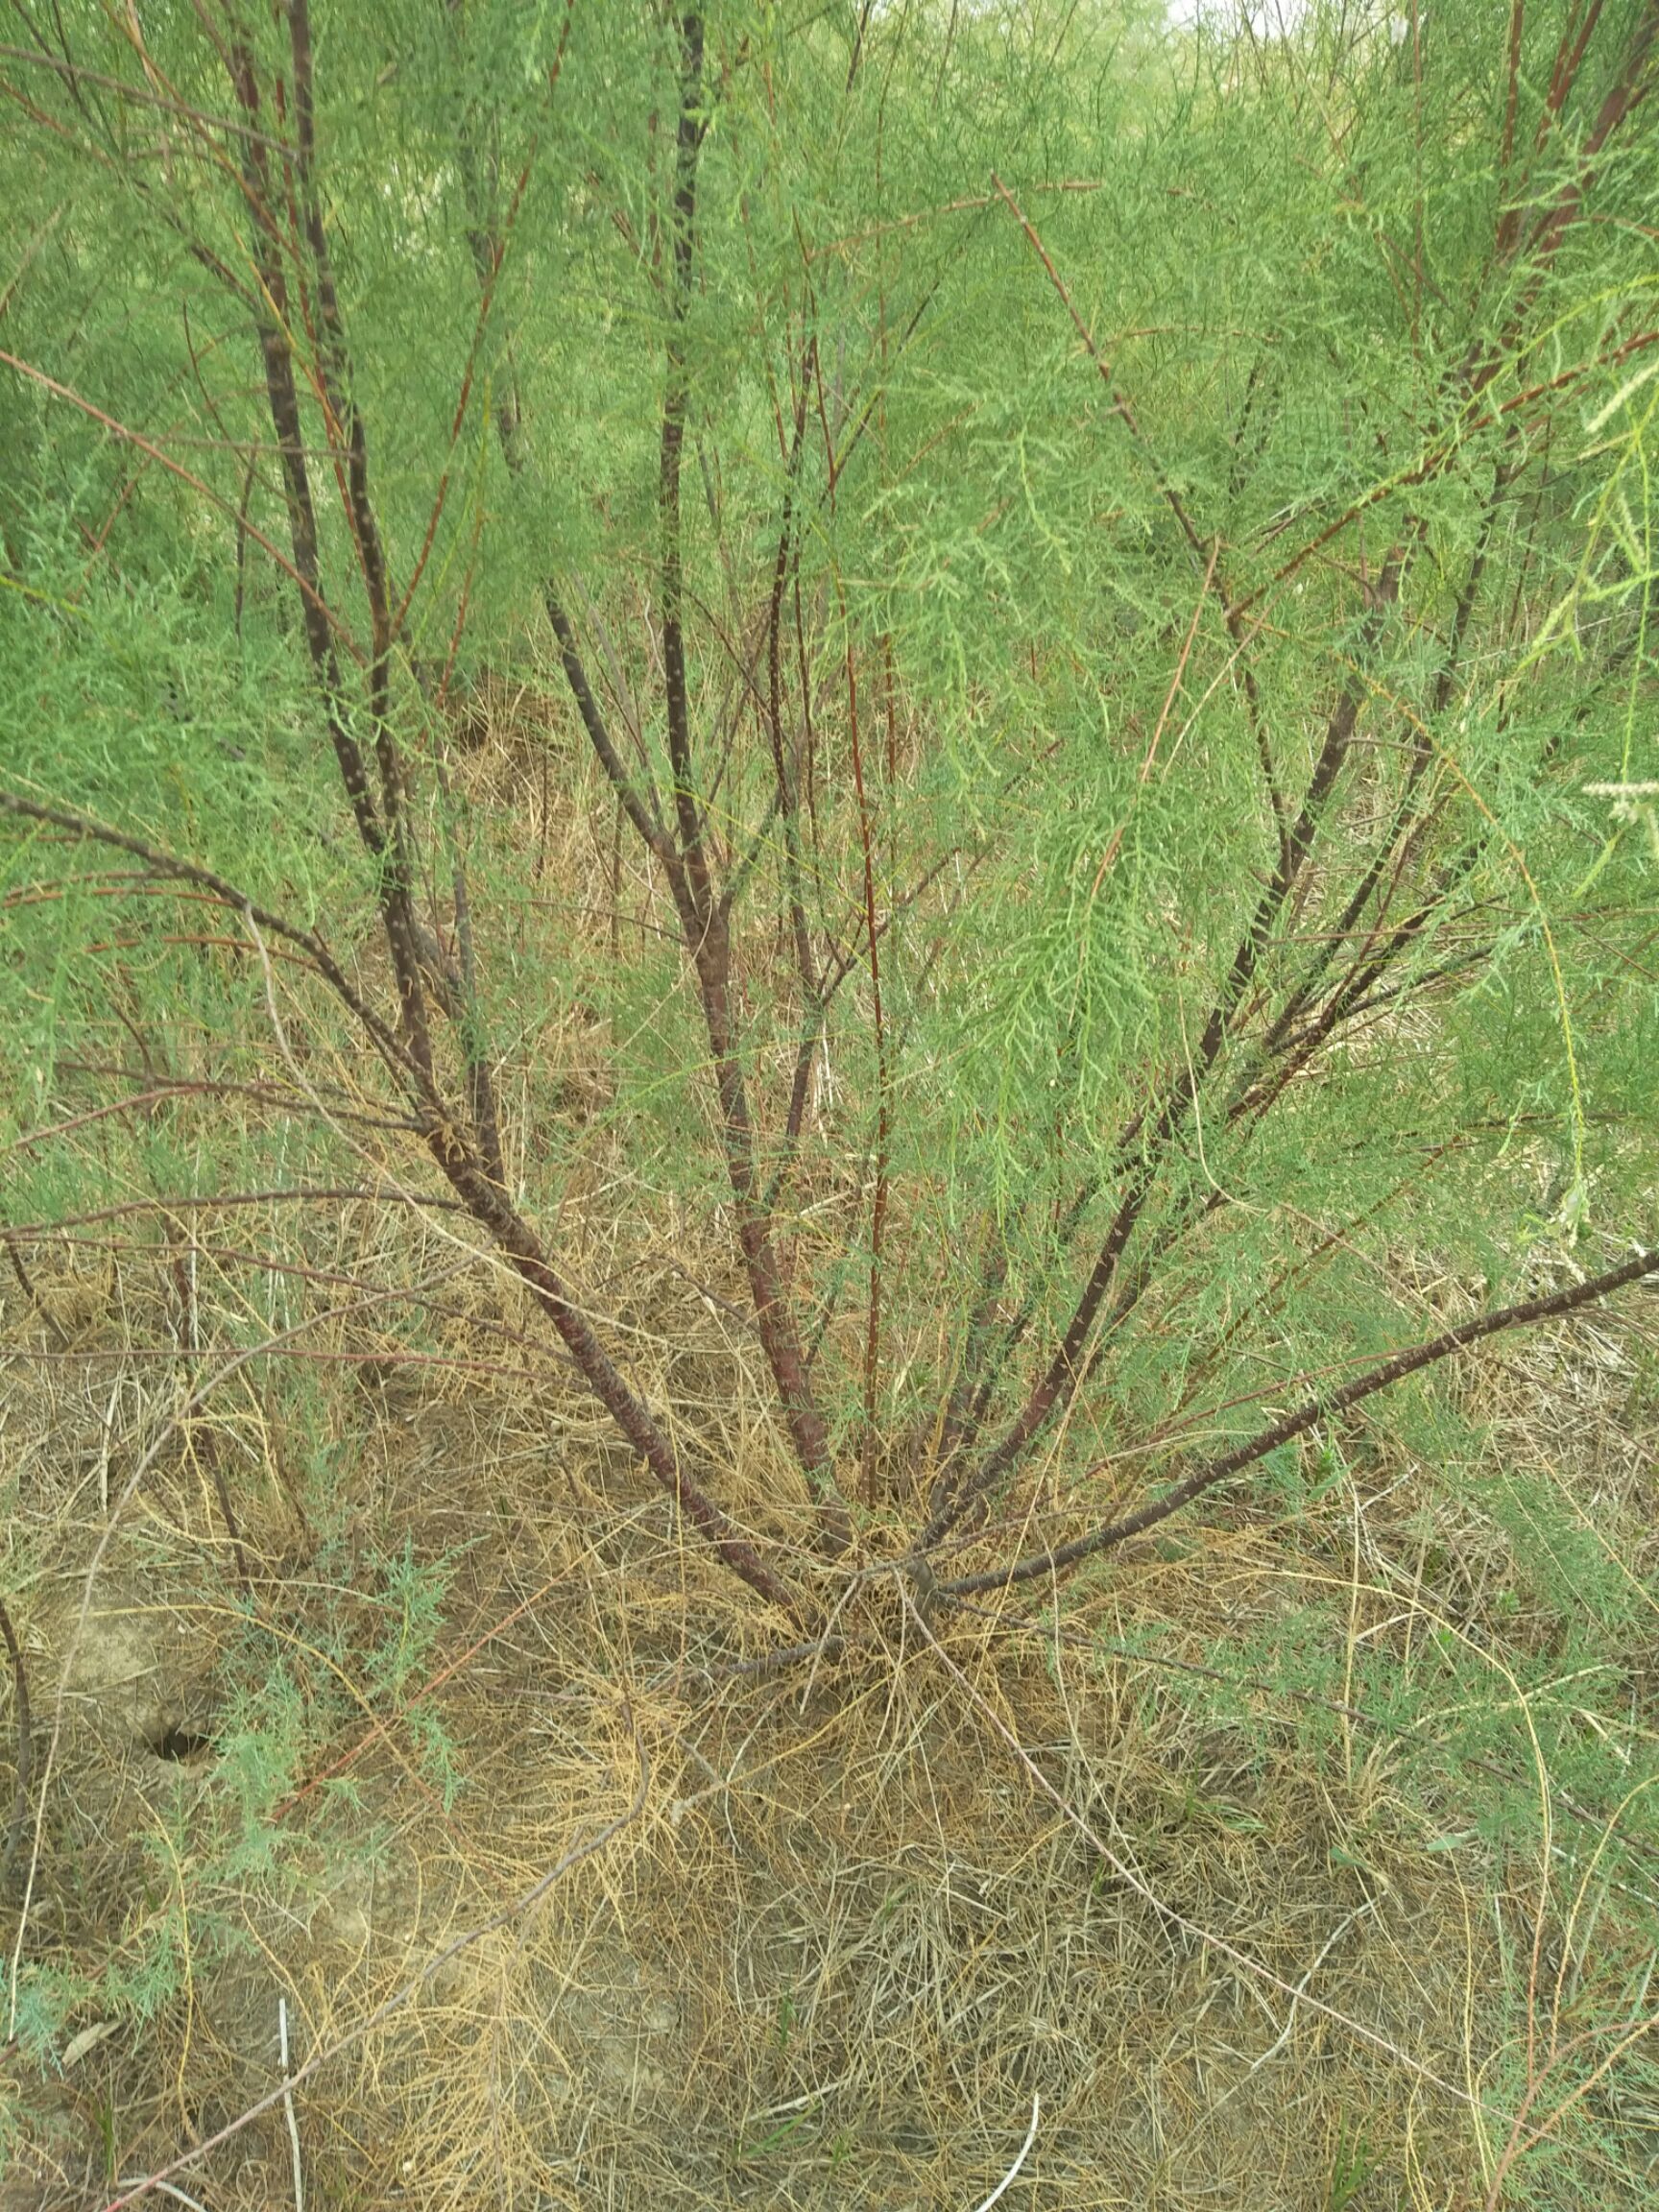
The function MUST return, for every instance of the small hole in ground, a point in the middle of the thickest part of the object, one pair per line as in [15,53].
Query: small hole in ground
[175,1743]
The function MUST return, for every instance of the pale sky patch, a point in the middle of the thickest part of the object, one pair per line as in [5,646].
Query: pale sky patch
[1267,18]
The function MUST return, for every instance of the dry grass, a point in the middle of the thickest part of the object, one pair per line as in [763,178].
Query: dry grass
[847,1929]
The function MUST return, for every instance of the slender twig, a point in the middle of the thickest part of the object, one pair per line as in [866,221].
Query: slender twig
[168,2189]
[25,1745]
[169,1203]
[1019,2157]
[288,2104]
[9,1238]
[169,864]
[197,117]
[312,597]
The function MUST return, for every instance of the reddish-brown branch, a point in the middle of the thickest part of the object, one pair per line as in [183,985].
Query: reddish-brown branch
[283,398]
[639,807]
[787,768]
[345,429]
[1626,92]
[1563,74]
[1121,405]
[883,1103]
[1313,1410]
[118,429]
[1509,218]
[198,118]
[486,300]
[1215,575]
[676,392]
[25,1745]
[308,941]
[12,1238]
[489,1205]
[171,1203]
[704,920]
[1058,1384]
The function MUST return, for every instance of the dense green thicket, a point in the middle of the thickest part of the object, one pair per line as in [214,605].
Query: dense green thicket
[1092,589]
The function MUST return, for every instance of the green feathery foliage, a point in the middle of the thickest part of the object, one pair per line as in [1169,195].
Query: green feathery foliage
[1070,605]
